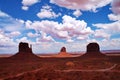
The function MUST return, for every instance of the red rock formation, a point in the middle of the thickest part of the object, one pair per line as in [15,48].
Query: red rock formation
[93,50]
[25,53]
[63,49]
[63,53]
[24,47]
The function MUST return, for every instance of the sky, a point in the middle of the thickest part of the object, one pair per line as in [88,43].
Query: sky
[51,24]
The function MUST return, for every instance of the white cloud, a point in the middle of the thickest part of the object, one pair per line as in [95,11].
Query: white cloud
[110,44]
[27,3]
[44,38]
[81,4]
[70,40]
[23,39]
[77,13]
[68,29]
[114,17]
[7,45]
[14,34]
[63,34]
[2,14]
[47,12]
[9,29]
[116,6]
[100,33]
[30,34]
[10,24]
[113,27]
[82,37]
[75,27]
[25,8]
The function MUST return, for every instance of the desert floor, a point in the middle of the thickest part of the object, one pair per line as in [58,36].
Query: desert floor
[53,67]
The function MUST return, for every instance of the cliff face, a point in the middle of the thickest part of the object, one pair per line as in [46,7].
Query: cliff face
[93,50]
[63,49]
[63,53]
[25,53]
[24,47]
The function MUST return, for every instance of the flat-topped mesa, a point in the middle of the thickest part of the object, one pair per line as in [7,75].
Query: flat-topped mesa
[93,48]
[25,53]
[24,47]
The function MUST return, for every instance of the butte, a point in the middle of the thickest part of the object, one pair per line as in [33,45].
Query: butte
[25,53]
[93,50]
[63,53]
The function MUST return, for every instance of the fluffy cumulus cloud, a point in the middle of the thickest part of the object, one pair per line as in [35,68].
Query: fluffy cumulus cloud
[112,28]
[9,29]
[32,35]
[77,13]
[67,30]
[13,34]
[112,44]
[2,14]
[101,34]
[47,12]
[81,4]
[5,43]
[27,3]
[25,8]
[106,30]
[44,38]
[24,39]
[9,24]
[116,6]
[114,17]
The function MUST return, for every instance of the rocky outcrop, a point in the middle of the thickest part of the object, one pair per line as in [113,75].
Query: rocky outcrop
[63,49]
[63,53]
[25,53]
[93,50]
[24,47]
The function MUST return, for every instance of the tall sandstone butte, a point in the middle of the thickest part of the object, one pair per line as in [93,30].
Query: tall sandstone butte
[25,53]
[93,49]
[24,47]
[63,51]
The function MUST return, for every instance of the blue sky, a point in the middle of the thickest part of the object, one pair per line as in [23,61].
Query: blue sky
[51,24]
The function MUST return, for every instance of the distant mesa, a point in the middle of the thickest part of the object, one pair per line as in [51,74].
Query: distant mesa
[25,52]
[93,49]
[63,49]
[63,53]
